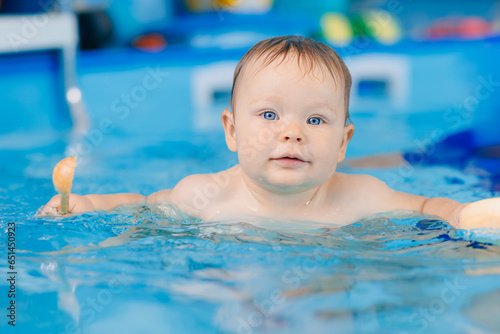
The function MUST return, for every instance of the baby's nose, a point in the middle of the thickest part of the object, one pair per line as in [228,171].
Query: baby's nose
[292,132]
[297,138]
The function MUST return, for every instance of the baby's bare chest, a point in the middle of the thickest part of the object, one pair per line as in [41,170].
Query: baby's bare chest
[238,209]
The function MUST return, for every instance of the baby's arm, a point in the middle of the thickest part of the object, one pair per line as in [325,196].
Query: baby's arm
[108,202]
[78,203]
[444,208]
[481,214]
[449,210]
[182,196]
[380,198]
[160,197]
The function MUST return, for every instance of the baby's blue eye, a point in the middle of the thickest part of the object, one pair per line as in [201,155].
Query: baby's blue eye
[315,121]
[269,115]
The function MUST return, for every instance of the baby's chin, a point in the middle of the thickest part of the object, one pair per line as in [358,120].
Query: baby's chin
[283,181]
[287,186]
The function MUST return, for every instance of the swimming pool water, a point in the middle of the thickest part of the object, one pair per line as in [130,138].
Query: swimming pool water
[156,270]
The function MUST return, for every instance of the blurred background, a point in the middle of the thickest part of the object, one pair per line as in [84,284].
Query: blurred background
[78,76]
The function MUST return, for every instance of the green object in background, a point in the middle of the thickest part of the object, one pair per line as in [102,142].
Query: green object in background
[360,27]
[384,26]
[379,25]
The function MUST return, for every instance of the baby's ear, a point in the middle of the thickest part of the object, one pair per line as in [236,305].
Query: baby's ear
[228,124]
[348,132]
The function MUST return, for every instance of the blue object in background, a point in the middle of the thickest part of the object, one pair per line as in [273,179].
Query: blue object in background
[484,102]
[314,7]
[25,6]
[157,95]
[32,92]
[473,116]
[225,31]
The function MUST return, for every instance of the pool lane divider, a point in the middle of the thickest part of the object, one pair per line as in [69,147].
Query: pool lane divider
[62,177]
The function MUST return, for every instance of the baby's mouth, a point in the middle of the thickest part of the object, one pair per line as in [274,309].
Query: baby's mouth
[290,161]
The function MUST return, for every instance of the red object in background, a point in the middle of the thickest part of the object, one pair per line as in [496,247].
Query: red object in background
[442,29]
[474,27]
[153,42]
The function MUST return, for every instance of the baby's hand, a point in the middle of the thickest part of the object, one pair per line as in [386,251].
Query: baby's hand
[77,204]
[481,214]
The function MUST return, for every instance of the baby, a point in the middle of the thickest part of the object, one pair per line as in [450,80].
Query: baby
[289,126]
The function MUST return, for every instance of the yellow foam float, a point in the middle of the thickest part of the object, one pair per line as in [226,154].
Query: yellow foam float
[62,177]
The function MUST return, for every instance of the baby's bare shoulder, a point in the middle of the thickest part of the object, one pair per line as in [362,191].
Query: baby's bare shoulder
[190,186]
[368,195]
[360,193]
[182,190]
[197,193]
[359,183]
[211,185]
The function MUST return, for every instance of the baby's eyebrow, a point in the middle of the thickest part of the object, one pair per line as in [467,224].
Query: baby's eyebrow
[274,98]
[319,105]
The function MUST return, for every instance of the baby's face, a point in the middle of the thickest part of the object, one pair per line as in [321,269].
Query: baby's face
[287,126]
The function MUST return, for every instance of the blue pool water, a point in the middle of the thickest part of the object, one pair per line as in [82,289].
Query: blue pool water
[156,270]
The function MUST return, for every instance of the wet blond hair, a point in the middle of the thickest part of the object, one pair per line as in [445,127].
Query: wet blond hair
[309,52]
